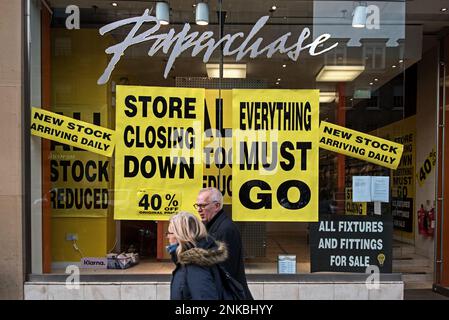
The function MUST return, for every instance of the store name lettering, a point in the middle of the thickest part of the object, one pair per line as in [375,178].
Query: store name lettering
[182,41]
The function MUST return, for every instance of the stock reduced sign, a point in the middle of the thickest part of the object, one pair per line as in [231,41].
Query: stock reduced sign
[158,167]
[275,155]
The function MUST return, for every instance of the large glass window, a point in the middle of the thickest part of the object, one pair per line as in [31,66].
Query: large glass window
[377,98]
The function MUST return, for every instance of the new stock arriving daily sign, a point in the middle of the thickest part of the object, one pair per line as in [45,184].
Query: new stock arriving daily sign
[360,145]
[76,133]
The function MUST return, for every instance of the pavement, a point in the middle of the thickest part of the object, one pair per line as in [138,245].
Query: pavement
[423,294]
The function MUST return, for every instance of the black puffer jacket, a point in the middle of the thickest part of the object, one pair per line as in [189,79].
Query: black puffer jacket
[193,277]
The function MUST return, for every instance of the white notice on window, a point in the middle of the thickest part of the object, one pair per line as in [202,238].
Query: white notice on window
[286,264]
[380,188]
[361,189]
[377,208]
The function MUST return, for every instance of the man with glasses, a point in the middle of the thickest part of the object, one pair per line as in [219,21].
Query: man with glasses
[209,205]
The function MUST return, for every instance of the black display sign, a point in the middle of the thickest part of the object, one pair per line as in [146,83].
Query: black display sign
[351,243]
[402,211]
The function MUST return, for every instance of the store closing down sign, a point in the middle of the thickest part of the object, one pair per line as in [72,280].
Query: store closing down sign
[76,133]
[275,158]
[158,167]
[360,145]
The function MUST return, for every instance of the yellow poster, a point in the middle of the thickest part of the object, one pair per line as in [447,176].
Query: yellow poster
[79,179]
[403,178]
[353,208]
[158,163]
[275,155]
[217,141]
[76,133]
[426,168]
[360,145]
[81,193]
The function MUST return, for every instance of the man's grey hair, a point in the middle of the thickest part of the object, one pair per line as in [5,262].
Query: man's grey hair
[215,195]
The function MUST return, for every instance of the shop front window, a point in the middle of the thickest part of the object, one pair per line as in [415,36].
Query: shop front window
[364,75]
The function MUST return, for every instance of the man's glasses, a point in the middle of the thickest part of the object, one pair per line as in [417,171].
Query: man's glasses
[202,205]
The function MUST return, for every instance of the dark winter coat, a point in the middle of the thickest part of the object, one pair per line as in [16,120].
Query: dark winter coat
[223,229]
[193,277]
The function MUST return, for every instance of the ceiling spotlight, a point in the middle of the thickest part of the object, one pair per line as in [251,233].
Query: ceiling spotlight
[114,4]
[393,66]
[273,8]
[202,14]
[284,66]
[277,83]
[359,18]
[375,79]
[400,61]
[370,83]
[279,79]
[443,9]
[163,12]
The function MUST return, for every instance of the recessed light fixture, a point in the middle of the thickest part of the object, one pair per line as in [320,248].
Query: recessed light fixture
[114,4]
[273,8]
[400,61]
[375,79]
[339,73]
[327,97]
[194,5]
[393,66]
[370,83]
[443,9]
[284,66]
[277,83]
[229,70]
[279,79]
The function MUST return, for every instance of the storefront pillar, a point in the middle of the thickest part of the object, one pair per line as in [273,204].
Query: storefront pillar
[444,217]
[12,195]
[46,104]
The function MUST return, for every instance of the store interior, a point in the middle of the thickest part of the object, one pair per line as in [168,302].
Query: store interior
[385,93]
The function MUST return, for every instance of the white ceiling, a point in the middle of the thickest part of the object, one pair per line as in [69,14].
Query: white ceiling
[423,17]
[423,12]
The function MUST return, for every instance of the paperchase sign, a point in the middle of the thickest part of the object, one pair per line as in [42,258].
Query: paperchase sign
[351,243]
[173,44]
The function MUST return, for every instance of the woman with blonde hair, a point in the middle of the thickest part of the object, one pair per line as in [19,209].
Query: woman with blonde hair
[196,256]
